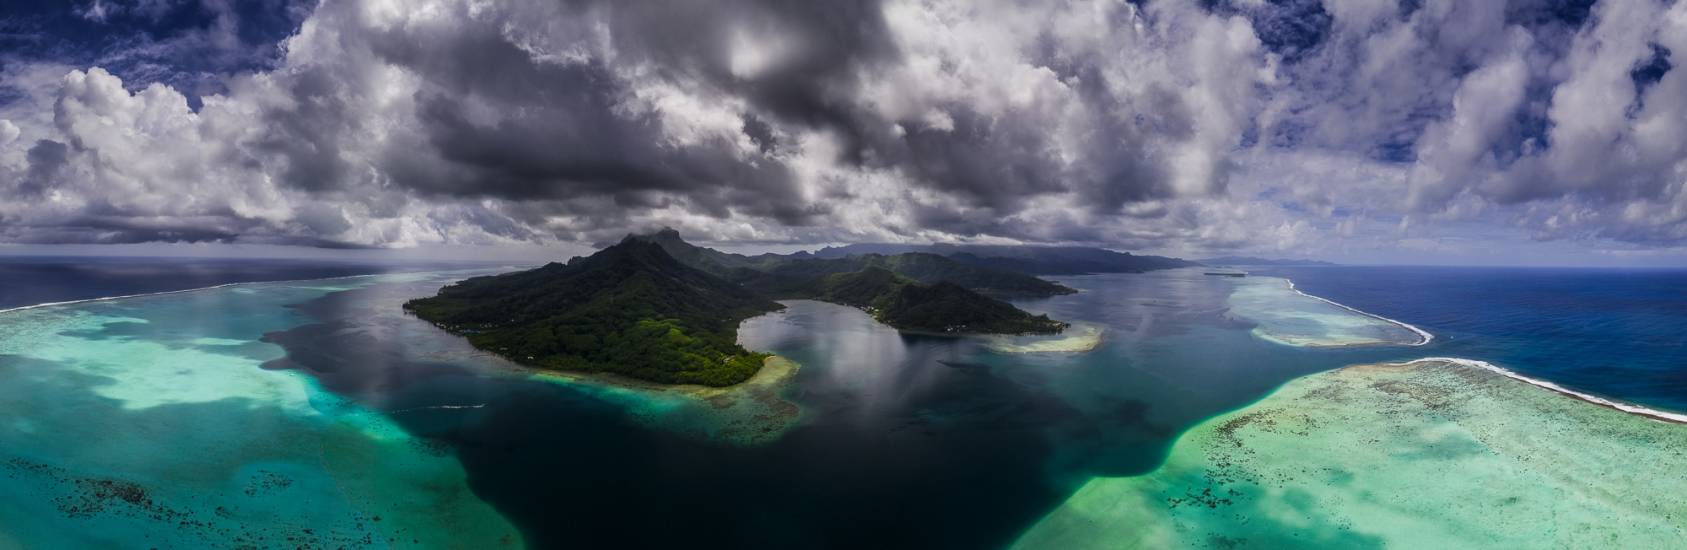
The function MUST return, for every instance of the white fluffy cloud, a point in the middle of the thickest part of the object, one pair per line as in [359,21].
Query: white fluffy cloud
[1159,125]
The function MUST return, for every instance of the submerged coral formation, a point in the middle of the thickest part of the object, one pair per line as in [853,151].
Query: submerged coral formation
[1290,317]
[1428,454]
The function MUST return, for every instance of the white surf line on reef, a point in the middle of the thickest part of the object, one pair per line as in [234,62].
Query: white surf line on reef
[122,297]
[1424,334]
[1630,408]
[212,287]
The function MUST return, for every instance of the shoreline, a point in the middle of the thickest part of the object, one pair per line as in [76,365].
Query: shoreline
[747,414]
[1425,335]
[1087,338]
[916,332]
[605,377]
[1630,408]
[783,369]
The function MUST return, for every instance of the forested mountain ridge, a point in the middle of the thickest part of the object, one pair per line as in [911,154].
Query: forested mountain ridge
[630,309]
[773,272]
[941,308]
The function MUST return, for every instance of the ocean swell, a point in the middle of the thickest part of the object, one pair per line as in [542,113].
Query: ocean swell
[1633,409]
[125,297]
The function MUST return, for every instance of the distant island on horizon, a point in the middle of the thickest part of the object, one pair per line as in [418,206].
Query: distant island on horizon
[1030,259]
[1250,260]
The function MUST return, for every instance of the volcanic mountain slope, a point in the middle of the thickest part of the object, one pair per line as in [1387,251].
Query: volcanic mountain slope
[630,309]
[787,275]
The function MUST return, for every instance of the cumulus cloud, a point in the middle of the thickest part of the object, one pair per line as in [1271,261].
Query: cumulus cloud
[387,125]
[1157,125]
[1562,119]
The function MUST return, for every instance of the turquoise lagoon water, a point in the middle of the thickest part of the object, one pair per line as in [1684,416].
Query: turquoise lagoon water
[1427,454]
[317,414]
[151,422]
[1287,316]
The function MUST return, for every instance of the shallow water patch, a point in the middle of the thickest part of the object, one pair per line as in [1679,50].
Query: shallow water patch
[1422,455]
[1287,316]
[1078,338]
[147,422]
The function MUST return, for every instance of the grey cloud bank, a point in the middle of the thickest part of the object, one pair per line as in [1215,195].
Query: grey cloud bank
[1325,128]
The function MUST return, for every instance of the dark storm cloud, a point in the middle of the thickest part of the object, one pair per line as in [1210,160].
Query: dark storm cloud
[502,122]
[104,230]
[575,117]
[556,131]
[310,133]
[760,120]
[828,46]
[46,160]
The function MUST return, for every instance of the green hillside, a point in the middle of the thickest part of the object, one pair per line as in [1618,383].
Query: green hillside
[942,308]
[786,275]
[630,309]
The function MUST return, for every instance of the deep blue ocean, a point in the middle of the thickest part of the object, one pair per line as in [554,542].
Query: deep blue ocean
[904,441]
[1616,333]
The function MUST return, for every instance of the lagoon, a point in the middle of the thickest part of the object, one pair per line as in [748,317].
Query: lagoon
[228,406]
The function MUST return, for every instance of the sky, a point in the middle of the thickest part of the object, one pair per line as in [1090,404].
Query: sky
[1359,131]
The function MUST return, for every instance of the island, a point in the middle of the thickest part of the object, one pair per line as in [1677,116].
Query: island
[636,310]
[941,308]
[1031,259]
[630,309]
[1253,261]
[912,291]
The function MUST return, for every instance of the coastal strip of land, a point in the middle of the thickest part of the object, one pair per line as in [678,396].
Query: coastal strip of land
[1080,338]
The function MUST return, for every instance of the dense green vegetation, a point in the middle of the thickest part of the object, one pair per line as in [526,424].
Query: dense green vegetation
[795,274]
[933,269]
[656,308]
[861,288]
[630,309]
[911,291]
[943,308]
